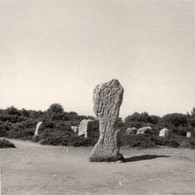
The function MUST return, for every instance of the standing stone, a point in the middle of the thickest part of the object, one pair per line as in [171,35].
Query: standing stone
[38,126]
[188,134]
[107,98]
[144,130]
[131,130]
[164,132]
[86,128]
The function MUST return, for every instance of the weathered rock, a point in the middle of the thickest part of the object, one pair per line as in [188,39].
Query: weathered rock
[164,132]
[131,130]
[144,130]
[75,129]
[107,98]
[38,126]
[188,134]
[86,128]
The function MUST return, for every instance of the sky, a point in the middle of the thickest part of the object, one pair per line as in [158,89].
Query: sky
[59,51]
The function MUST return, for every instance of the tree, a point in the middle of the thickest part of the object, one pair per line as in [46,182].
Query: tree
[56,108]
[56,112]
[192,121]
[193,112]
[137,117]
[25,112]
[175,119]
[154,119]
[13,111]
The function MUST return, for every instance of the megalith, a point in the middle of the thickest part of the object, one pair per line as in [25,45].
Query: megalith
[164,132]
[86,128]
[38,126]
[131,130]
[188,134]
[144,130]
[107,98]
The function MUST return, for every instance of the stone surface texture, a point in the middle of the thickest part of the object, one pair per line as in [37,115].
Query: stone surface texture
[107,98]
[85,128]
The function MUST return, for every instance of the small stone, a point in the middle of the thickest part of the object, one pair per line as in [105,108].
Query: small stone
[164,132]
[144,130]
[131,130]
[75,129]
[85,128]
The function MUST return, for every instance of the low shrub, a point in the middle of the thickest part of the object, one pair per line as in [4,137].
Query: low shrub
[6,144]
[24,134]
[188,143]
[141,141]
[55,140]
[82,141]
[150,141]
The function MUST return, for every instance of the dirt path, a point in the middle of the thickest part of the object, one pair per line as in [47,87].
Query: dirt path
[33,169]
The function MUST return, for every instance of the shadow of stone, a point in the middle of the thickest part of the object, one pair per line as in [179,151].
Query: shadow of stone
[143,157]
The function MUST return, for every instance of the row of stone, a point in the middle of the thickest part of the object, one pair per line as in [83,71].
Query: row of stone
[85,129]
[144,130]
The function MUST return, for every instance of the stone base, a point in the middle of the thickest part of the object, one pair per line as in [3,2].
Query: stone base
[108,156]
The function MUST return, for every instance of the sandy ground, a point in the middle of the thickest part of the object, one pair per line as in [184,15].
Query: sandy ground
[33,169]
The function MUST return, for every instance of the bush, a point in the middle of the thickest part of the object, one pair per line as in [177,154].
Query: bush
[175,119]
[13,111]
[141,141]
[188,143]
[55,140]
[137,117]
[191,121]
[21,134]
[150,141]
[82,141]
[6,144]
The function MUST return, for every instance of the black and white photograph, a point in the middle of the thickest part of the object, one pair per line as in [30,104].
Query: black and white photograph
[96,97]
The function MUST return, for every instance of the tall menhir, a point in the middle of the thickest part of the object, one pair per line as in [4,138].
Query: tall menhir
[107,98]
